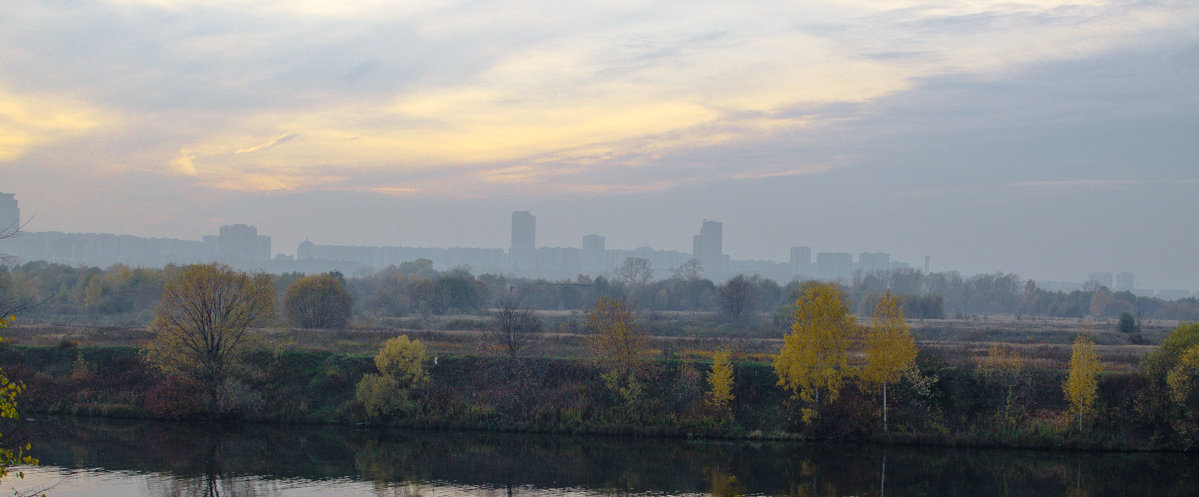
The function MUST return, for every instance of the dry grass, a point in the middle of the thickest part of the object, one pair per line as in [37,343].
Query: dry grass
[1042,342]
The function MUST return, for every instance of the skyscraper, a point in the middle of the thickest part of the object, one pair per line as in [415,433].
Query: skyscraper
[524,230]
[801,260]
[239,243]
[593,254]
[708,245]
[522,253]
[10,214]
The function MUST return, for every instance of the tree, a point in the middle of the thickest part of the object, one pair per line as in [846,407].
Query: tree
[721,381]
[890,350]
[1082,384]
[618,345]
[736,298]
[513,326]
[400,363]
[687,271]
[815,354]
[1173,370]
[635,271]
[616,341]
[317,301]
[12,452]
[203,323]
[1128,324]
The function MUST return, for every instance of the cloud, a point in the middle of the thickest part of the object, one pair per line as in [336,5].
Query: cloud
[269,144]
[29,120]
[275,94]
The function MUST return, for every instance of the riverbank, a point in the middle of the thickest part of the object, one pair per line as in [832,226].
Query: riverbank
[104,457]
[945,406]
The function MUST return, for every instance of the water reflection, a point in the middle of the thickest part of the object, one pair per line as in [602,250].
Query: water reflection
[267,460]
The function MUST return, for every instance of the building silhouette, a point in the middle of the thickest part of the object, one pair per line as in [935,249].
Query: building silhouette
[801,261]
[10,213]
[593,254]
[522,251]
[708,246]
[1125,282]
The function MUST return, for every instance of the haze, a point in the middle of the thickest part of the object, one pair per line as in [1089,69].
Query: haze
[1045,138]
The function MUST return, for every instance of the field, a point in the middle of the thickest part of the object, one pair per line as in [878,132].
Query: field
[1043,342]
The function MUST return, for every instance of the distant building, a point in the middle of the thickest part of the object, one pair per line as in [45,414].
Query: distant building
[522,252]
[1125,282]
[239,243]
[1103,278]
[834,265]
[524,230]
[869,262]
[263,249]
[593,259]
[10,221]
[1173,294]
[708,246]
[801,261]
[10,213]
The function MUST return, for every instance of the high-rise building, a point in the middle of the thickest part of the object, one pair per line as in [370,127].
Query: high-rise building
[593,254]
[874,261]
[708,245]
[1124,282]
[10,213]
[262,250]
[239,243]
[801,260]
[522,253]
[524,230]
[833,265]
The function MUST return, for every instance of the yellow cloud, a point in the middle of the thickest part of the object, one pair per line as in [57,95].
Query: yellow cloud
[28,120]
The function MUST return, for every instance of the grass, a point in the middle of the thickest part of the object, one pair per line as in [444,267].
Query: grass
[1043,342]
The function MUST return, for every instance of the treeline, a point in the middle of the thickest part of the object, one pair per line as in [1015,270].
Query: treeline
[1001,400]
[833,378]
[128,295]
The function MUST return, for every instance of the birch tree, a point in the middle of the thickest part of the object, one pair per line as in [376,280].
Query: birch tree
[890,350]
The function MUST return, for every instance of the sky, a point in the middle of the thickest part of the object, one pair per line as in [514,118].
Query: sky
[1045,138]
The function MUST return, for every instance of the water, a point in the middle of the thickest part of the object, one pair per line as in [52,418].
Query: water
[137,458]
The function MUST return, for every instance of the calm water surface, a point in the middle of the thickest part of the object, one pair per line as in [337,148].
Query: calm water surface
[138,458]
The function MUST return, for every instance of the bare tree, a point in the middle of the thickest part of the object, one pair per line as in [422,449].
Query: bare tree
[9,304]
[636,271]
[514,326]
[203,322]
[688,271]
[736,298]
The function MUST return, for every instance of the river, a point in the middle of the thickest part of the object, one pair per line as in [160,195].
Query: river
[101,458]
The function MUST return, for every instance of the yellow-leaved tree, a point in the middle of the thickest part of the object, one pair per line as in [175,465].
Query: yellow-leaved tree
[401,368]
[720,380]
[618,345]
[202,325]
[890,350]
[1083,383]
[814,361]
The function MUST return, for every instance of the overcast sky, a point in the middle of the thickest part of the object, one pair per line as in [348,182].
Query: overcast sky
[1046,138]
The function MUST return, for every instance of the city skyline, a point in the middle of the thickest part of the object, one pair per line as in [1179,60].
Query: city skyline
[592,256]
